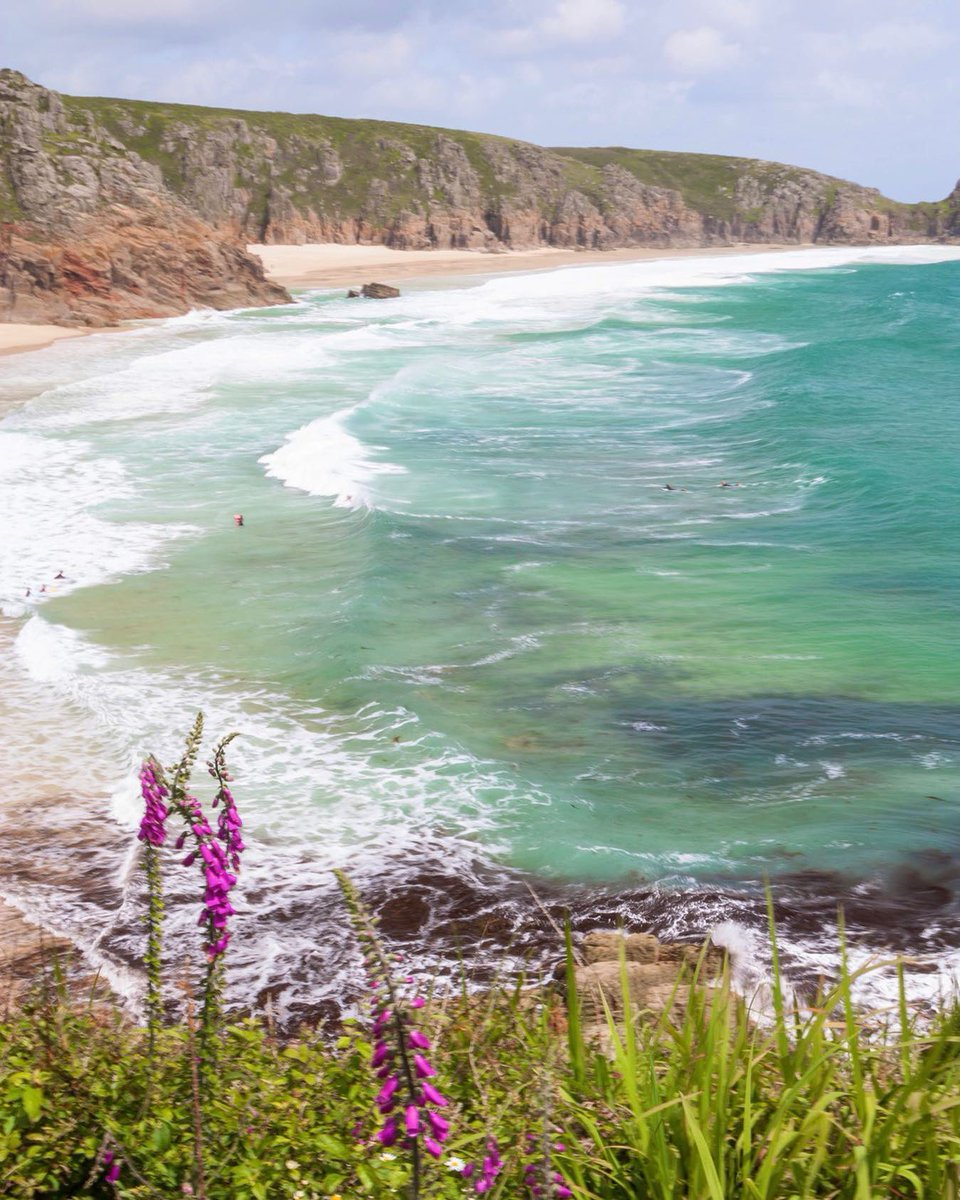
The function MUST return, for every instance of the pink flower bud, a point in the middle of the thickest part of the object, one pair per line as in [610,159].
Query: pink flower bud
[439,1125]
[389,1133]
[432,1096]
[422,1067]
[385,1095]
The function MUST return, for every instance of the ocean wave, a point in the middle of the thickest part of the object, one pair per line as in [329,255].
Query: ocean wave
[324,459]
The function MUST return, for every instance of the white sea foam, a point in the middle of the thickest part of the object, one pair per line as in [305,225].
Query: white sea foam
[315,791]
[47,524]
[324,459]
[178,378]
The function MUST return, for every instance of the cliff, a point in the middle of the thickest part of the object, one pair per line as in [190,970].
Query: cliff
[123,208]
[90,233]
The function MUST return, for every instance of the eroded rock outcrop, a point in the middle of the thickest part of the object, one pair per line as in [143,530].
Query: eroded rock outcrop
[659,977]
[91,234]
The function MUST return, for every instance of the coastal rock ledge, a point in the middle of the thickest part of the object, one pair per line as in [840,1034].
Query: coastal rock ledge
[659,977]
[116,209]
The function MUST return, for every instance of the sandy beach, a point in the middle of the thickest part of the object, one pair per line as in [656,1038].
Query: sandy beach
[328,265]
[16,338]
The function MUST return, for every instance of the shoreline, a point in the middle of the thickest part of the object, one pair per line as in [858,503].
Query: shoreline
[329,264]
[17,339]
[333,265]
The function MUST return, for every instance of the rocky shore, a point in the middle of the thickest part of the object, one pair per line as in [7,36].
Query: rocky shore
[120,209]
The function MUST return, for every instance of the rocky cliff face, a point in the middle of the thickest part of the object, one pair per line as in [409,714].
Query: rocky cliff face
[89,232]
[118,208]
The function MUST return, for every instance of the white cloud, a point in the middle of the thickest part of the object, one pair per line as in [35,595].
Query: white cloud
[137,12]
[904,39]
[745,13]
[700,50]
[585,20]
[371,55]
[845,90]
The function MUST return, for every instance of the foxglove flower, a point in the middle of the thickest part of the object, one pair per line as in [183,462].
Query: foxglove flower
[398,1057]
[153,823]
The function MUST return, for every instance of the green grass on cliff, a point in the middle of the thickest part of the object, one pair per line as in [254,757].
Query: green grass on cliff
[371,150]
[707,182]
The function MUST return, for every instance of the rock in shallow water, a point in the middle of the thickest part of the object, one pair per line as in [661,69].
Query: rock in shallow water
[379,291]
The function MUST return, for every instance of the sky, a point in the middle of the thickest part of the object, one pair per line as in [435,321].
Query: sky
[867,90]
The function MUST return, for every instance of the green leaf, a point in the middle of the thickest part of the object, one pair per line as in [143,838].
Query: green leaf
[32,1100]
[331,1145]
[162,1138]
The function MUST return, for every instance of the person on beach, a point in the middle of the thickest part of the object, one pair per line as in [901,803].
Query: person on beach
[238,519]
[59,575]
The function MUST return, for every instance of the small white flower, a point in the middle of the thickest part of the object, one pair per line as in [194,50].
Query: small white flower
[386,1156]
[454,1163]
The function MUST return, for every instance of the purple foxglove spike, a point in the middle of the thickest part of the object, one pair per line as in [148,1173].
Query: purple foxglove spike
[418,1041]
[431,1095]
[417,1002]
[432,1147]
[113,1174]
[412,1120]
[561,1191]
[421,1067]
[481,1186]
[381,1052]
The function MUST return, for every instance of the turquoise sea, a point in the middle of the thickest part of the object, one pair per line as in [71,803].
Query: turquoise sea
[638,583]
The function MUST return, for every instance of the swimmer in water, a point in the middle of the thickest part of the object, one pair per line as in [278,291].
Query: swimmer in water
[238,519]
[668,487]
